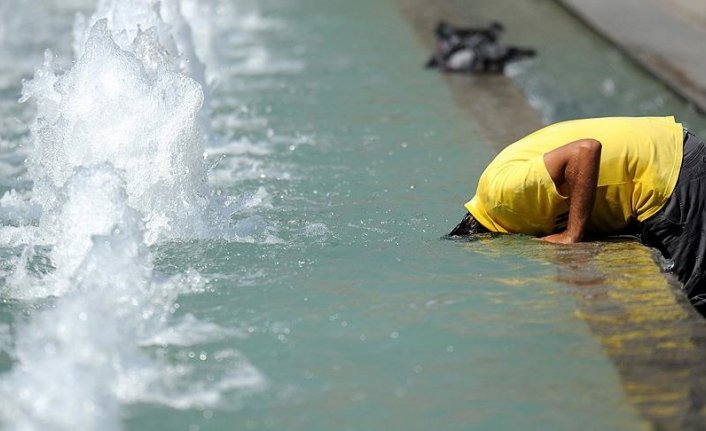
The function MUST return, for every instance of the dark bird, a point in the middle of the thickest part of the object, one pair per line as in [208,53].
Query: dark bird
[473,50]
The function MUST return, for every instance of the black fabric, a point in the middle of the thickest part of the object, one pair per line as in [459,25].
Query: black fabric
[678,230]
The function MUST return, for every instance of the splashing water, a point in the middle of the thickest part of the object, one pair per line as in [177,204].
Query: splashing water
[84,342]
[128,18]
[201,15]
[88,344]
[96,196]
[117,165]
[133,111]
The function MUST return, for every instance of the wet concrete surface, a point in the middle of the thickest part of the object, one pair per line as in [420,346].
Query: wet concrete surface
[645,324]
[665,36]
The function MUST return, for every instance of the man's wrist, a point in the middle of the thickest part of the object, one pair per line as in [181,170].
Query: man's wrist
[574,235]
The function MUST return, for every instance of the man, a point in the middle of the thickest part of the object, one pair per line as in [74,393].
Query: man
[600,177]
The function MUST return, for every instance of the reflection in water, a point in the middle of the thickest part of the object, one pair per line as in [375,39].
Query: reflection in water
[643,321]
[645,324]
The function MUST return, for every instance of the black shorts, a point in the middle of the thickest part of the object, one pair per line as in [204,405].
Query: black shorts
[678,230]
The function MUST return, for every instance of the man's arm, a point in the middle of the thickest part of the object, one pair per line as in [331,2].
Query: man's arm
[575,167]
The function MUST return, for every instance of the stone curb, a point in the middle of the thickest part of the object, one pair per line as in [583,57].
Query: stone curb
[665,37]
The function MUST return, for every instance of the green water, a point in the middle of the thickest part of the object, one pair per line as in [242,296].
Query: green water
[379,324]
[355,311]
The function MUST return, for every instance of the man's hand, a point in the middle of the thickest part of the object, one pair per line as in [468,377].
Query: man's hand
[575,165]
[561,238]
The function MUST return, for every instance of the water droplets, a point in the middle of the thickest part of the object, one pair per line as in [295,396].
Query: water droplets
[117,165]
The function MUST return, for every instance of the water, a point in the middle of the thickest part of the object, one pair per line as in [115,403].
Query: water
[273,261]
[578,74]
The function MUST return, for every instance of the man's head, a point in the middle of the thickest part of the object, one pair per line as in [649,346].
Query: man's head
[468,226]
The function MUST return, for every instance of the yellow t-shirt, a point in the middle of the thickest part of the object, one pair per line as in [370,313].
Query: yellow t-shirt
[640,161]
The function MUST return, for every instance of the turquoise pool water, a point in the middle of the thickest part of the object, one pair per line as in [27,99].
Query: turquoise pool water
[326,300]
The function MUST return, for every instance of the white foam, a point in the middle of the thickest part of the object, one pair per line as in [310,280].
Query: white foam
[117,164]
[16,207]
[79,360]
[128,18]
[189,331]
[232,170]
[246,51]
[257,199]
[133,112]
[93,202]
[13,236]
[176,389]
[201,16]
[240,147]
[68,357]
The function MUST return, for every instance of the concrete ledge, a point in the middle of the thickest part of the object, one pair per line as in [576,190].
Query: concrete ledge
[667,37]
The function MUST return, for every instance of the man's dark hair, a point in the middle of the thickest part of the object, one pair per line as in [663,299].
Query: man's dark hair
[468,226]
